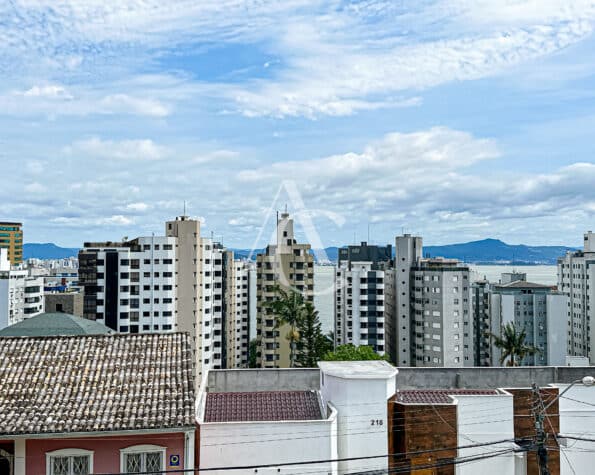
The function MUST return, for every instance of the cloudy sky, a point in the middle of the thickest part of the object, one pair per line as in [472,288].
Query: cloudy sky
[455,119]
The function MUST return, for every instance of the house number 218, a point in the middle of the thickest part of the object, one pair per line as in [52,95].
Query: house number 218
[376,422]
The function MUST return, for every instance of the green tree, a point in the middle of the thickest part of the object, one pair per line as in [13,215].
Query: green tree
[313,344]
[287,308]
[512,344]
[353,353]
[253,353]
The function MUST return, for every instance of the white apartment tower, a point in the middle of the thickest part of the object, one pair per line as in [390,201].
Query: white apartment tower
[432,324]
[130,286]
[21,296]
[576,279]
[360,296]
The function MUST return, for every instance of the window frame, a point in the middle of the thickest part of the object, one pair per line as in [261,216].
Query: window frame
[70,452]
[141,449]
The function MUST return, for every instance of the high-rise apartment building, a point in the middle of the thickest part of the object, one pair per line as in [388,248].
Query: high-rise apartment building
[432,325]
[11,238]
[537,309]
[237,326]
[482,323]
[288,265]
[21,296]
[576,279]
[130,286]
[176,282]
[361,295]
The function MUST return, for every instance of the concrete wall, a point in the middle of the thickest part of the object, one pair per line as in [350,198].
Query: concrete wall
[407,378]
[263,380]
[71,302]
[494,377]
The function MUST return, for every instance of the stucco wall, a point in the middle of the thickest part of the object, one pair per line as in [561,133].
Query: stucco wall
[106,457]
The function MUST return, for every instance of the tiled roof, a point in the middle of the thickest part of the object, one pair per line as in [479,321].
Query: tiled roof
[263,406]
[438,396]
[55,324]
[95,383]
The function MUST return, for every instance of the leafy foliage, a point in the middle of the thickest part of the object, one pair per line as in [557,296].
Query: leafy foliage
[351,352]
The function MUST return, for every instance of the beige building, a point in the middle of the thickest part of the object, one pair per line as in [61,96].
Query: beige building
[288,265]
[189,283]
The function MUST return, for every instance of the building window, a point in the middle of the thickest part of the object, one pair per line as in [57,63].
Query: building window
[69,462]
[142,459]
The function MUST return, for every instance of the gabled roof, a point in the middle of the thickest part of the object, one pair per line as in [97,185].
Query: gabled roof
[55,324]
[439,396]
[263,406]
[100,383]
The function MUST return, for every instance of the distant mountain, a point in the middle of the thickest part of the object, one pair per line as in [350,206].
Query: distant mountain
[486,251]
[47,251]
[494,251]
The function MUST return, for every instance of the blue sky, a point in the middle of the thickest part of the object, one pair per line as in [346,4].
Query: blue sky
[457,120]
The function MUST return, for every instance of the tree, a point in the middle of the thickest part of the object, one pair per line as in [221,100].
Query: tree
[512,344]
[313,344]
[353,353]
[287,308]
[252,353]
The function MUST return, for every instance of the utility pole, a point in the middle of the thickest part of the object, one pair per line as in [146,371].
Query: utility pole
[540,434]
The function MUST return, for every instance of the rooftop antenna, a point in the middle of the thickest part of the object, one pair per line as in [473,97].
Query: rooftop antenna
[368,233]
[285,208]
[184,208]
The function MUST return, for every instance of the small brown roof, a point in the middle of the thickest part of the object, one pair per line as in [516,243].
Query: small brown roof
[263,406]
[439,396]
[95,383]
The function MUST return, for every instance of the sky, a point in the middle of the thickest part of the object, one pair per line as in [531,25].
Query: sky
[455,120]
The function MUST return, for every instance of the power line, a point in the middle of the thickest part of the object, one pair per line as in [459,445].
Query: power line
[314,462]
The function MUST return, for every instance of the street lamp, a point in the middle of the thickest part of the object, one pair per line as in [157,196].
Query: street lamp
[587,381]
[540,433]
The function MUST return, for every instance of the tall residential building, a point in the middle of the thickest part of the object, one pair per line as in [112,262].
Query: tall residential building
[482,323]
[130,286]
[237,327]
[11,238]
[288,265]
[537,309]
[361,294]
[21,296]
[432,324]
[576,279]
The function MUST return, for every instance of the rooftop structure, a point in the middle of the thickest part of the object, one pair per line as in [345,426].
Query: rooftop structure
[55,324]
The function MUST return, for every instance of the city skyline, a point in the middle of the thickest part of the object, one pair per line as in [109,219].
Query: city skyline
[455,120]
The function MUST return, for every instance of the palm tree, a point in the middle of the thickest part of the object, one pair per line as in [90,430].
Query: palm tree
[513,346]
[287,308]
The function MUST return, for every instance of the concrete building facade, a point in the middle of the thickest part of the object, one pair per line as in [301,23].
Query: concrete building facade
[576,275]
[11,238]
[361,294]
[288,265]
[432,324]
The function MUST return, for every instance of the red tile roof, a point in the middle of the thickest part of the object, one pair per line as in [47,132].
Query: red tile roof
[438,396]
[263,406]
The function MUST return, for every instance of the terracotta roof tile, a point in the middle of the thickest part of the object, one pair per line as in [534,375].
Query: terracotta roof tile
[438,396]
[95,383]
[263,406]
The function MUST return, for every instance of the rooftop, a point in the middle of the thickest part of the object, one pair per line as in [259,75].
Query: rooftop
[439,396]
[523,284]
[55,324]
[70,384]
[358,369]
[263,406]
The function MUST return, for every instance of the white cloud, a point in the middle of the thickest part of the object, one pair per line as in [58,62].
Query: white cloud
[35,188]
[48,91]
[144,149]
[218,156]
[116,220]
[137,207]
[125,104]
